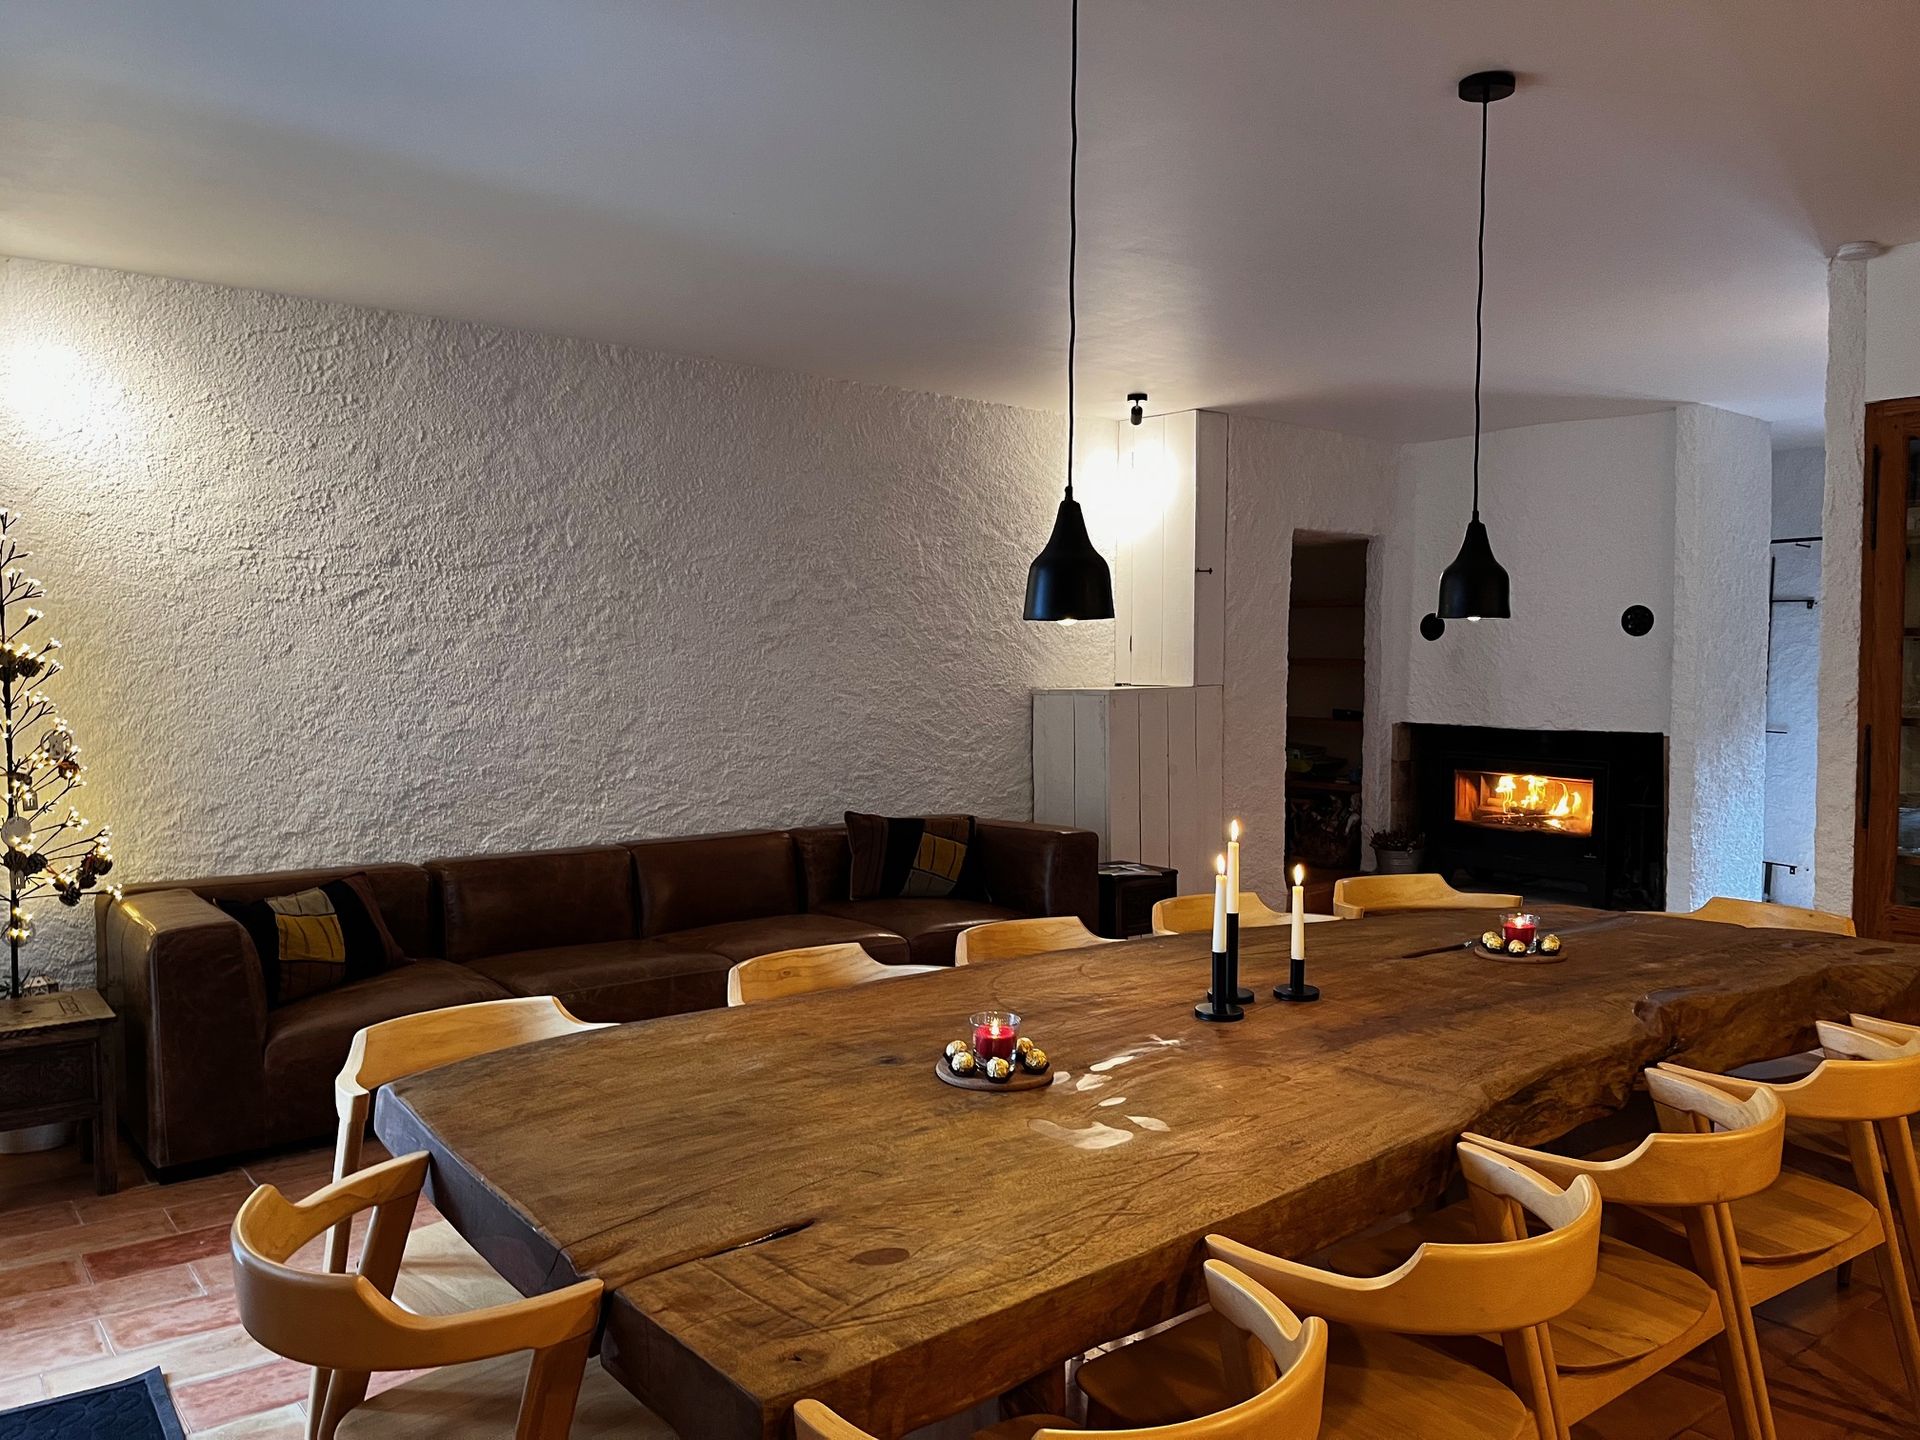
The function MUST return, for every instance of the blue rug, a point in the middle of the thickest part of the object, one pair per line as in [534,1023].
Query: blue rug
[136,1409]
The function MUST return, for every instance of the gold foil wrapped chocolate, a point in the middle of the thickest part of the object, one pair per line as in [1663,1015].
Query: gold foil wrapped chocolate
[1550,945]
[963,1062]
[955,1047]
[1022,1045]
[1516,947]
[1034,1060]
[999,1070]
[1493,940]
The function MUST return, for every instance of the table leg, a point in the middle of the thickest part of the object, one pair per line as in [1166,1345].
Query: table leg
[106,1138]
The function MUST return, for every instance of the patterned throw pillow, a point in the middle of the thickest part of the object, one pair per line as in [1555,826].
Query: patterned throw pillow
[317,940]
[919,857]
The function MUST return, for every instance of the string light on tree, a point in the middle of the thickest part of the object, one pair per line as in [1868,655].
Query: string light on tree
[45,850]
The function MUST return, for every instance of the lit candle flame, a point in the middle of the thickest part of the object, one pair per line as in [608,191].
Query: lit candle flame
[1233,830]
[1299,874]
[1219,864]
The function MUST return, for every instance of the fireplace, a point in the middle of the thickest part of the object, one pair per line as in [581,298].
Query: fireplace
[1578,813]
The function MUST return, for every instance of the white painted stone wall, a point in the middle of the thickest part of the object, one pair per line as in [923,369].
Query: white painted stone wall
[1282,479]
[1716,755]
[1581,515]
[345,585]
[1793,661]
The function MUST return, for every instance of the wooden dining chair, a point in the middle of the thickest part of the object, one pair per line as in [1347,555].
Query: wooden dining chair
[1193,914]
[1801,1225]
[347,1326]
[394,1049]
[1645,1311]
[1380,1380]
[1823,1148]
[1765,915]
[1362,895]
[1274,1366]
[1016,939]
[804,971]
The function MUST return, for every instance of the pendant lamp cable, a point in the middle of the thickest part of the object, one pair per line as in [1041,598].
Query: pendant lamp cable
[1073,225]
[1479,306]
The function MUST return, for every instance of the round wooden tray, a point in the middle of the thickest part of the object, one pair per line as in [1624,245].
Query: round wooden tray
[1532,957]
[1019,1080]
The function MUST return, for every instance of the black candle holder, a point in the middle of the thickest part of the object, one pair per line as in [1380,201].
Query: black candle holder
[1241,994]
[1296,988]
[1211,1008]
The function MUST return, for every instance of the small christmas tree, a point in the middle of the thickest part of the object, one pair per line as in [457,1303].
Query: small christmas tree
[44,849]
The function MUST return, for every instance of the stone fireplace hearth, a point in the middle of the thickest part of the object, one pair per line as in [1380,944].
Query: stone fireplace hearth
[1576,813]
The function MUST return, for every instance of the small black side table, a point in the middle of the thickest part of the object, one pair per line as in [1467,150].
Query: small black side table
[55,1065]
[1128,890]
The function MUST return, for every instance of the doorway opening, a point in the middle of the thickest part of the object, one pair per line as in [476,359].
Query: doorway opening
[1326,704]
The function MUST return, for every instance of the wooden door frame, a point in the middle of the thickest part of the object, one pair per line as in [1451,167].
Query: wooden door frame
[1882,627]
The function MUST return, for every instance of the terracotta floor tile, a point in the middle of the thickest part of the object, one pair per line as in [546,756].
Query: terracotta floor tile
[62,1345]
[214,1274]
[156,1323]
[77,1240]
[289,1422]
[204,1404]
[23,1224]
[159,1197]
[1819,1304]
[1659,1407]
[90,1302]
[214,1353]
[37,1278]
[171,1249]
[198,1214]
[22,1390]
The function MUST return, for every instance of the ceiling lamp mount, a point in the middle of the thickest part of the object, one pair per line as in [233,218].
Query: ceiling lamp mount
[1069,580]
[1474,586]
[1137,400]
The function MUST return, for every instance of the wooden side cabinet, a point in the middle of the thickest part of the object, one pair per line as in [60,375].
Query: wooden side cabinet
[56,1064]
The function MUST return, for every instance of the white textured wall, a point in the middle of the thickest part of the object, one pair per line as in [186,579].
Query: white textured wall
[1793,664]
[1581,516]
[1282,479]
[341,584]
[1716,758]
[1842,523]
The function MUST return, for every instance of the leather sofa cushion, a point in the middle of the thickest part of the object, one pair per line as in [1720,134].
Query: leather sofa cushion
[401,892]
[617,980]
[710,879]
[307,1041]
[929,925]
[536,900]
[744,939]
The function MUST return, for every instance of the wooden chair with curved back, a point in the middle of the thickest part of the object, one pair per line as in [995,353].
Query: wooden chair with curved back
[394,1049]
[810,969]
[348,1327]
[1362,895]
[1379,1380]
[1801,1225]
[1765,915]
[1017,939]
[1645,1311]
[1193,914]
[1276,1364]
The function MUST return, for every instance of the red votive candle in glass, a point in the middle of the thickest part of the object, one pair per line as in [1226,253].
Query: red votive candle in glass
[994,1034]
[1519,926]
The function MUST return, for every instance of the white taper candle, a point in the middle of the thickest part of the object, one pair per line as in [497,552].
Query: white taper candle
[1299,912]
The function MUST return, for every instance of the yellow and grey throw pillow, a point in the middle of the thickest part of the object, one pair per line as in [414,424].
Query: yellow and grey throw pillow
[918,857]
[318,939]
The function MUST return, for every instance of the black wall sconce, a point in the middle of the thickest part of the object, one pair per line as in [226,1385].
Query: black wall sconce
[1636,620]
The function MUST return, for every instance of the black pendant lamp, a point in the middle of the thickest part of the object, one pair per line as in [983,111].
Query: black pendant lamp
[1474,586]
[1069,580]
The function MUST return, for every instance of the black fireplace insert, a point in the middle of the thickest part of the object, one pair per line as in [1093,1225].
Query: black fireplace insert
[1581,813]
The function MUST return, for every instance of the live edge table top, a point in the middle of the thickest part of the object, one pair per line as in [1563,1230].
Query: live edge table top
[784,1200]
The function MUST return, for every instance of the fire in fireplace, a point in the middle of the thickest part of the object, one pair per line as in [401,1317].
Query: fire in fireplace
[1504,800]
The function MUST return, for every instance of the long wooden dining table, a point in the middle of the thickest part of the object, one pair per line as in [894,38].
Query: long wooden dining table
[785,1200]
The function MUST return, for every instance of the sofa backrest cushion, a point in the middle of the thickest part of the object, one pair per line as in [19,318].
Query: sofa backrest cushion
[826,864]
[401,891]
[534,900]
[701,880]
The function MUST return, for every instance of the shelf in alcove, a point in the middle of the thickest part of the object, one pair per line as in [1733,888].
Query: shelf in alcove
[1329,787]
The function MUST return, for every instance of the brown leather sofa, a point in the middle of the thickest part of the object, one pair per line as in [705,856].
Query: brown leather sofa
[618,932]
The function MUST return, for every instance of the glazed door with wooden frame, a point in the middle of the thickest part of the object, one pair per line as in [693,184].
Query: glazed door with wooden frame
[1887,856]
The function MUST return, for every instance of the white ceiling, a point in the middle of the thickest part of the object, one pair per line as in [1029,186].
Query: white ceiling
[1277,195]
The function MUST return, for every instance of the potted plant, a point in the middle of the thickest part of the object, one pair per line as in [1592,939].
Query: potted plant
[1398,852]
